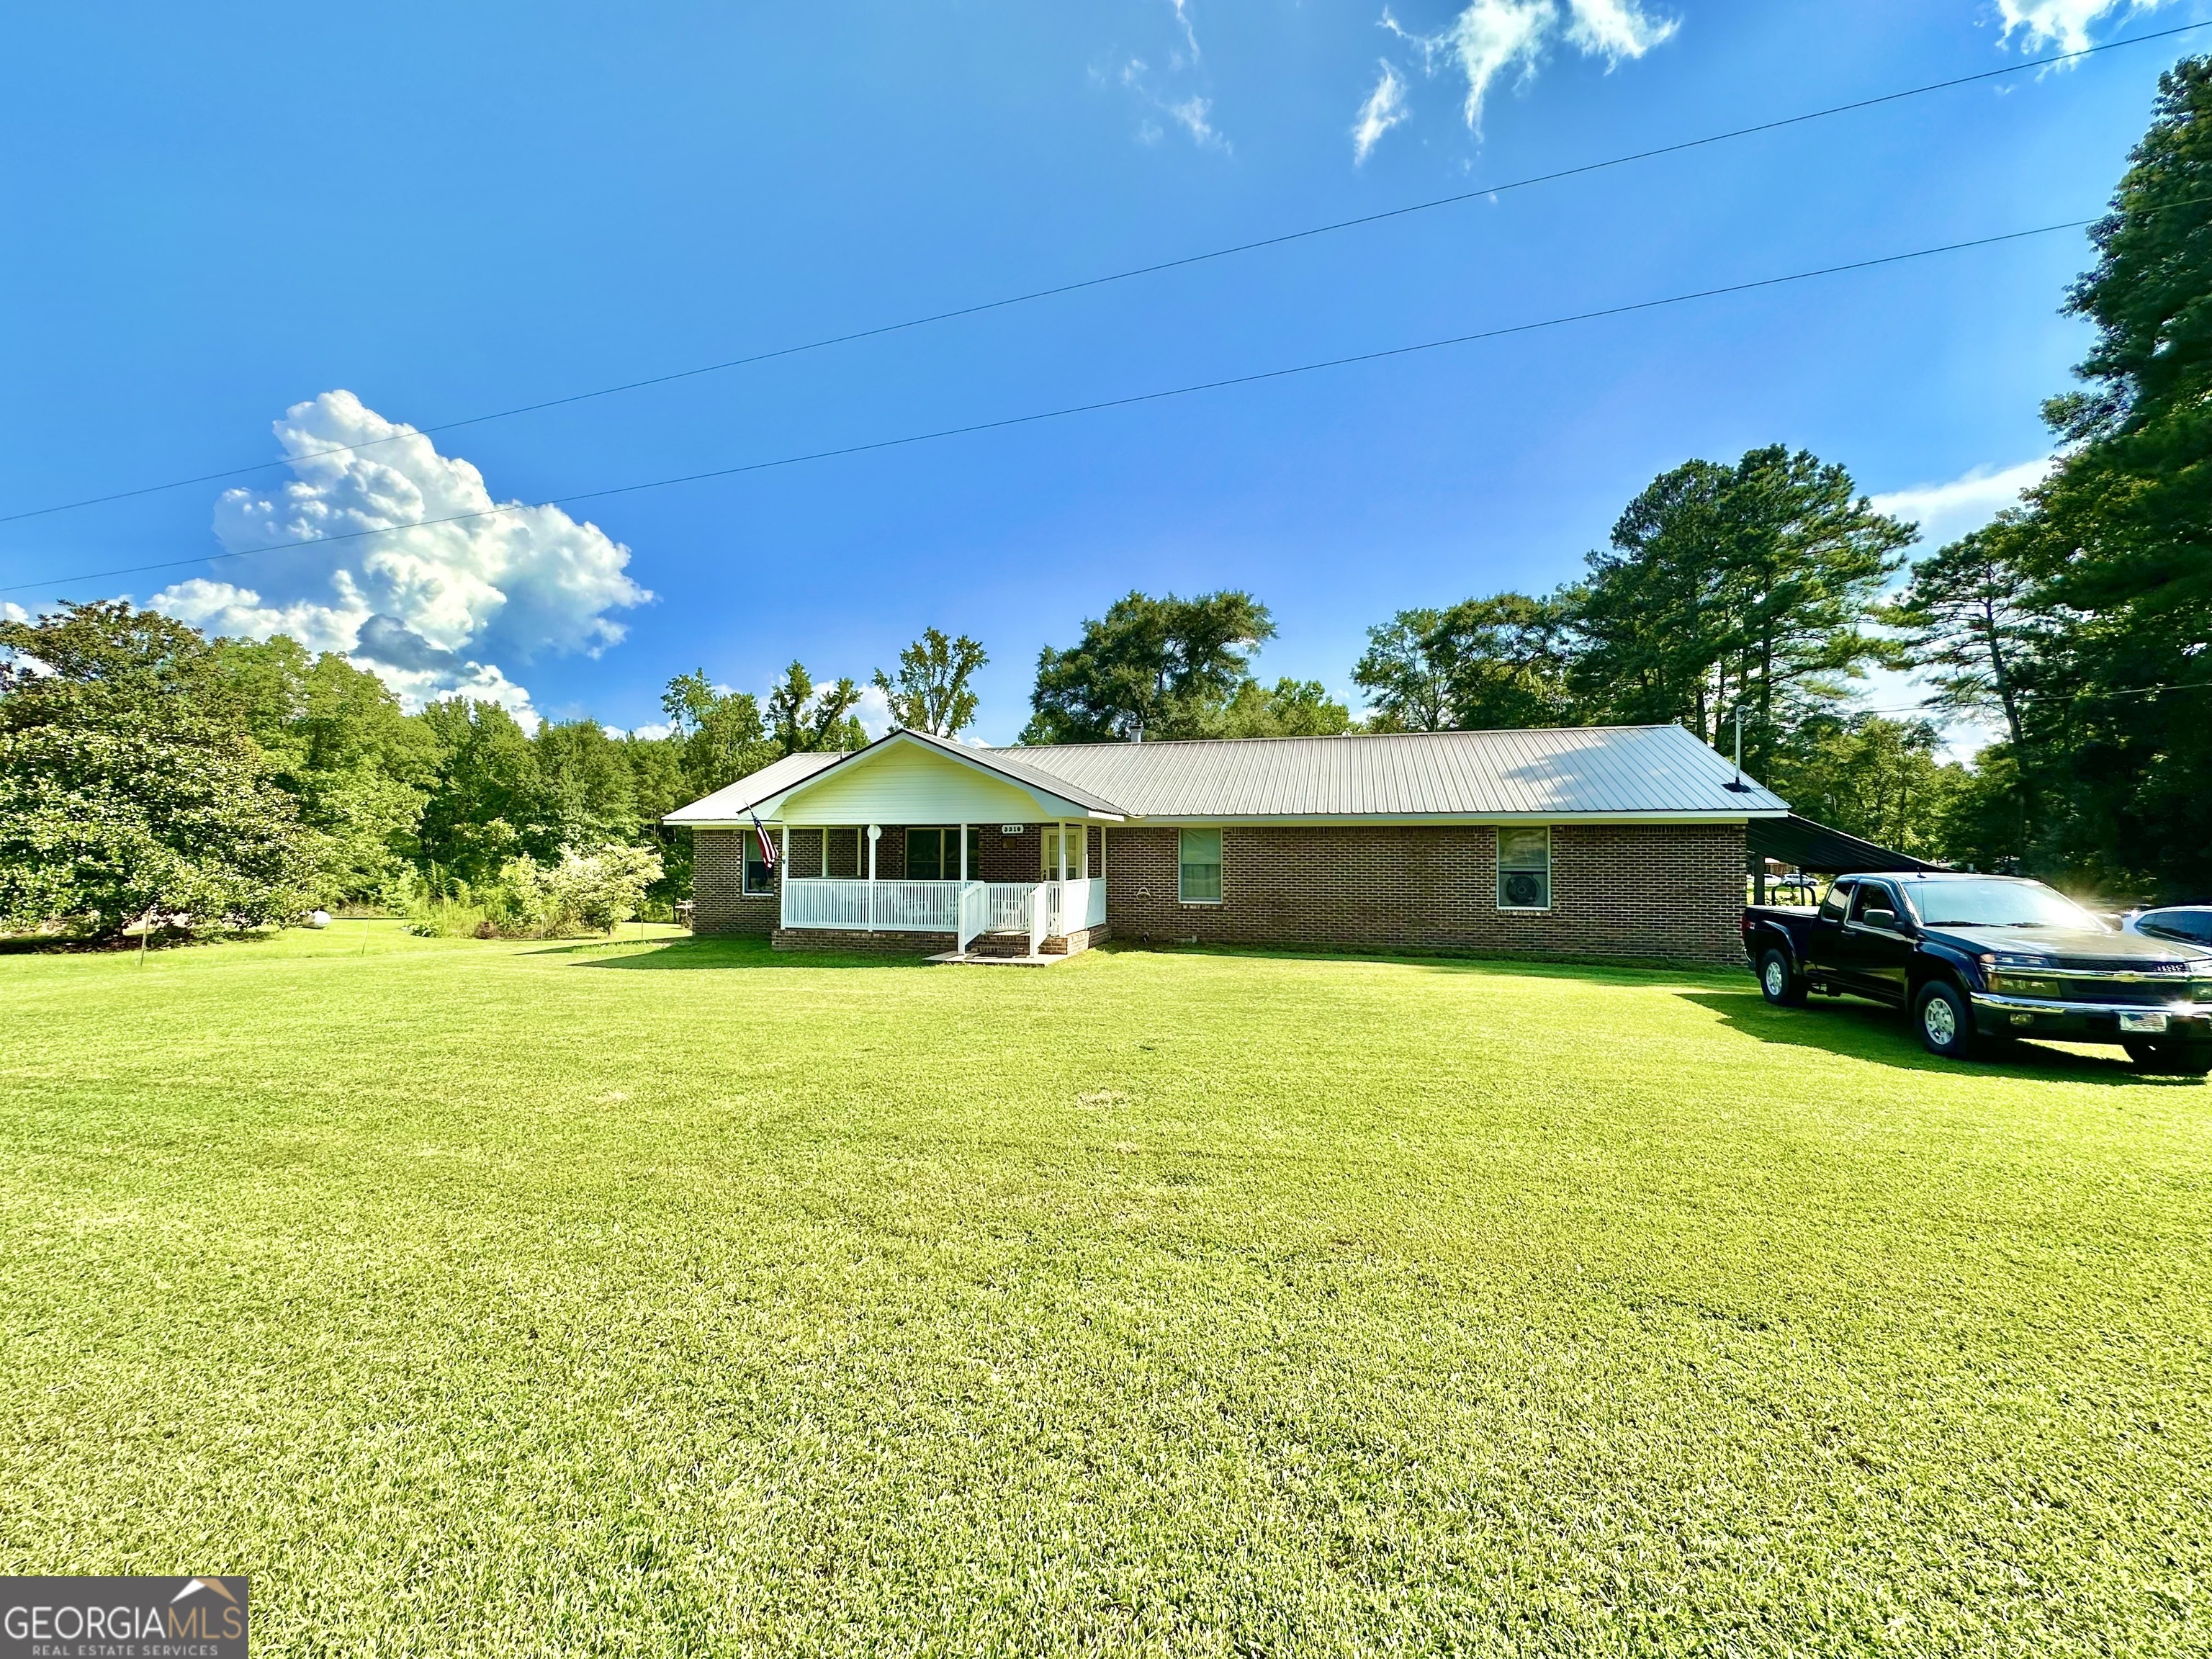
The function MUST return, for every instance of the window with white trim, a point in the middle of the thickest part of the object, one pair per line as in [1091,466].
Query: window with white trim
[760,878]
[1524,867]
[1198,857]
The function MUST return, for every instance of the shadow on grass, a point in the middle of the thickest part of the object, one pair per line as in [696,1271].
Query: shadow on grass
[1588,970]
[1863,1030]
[723,952]
[736,951]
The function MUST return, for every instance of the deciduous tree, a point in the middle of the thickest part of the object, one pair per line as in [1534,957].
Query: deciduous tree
[930,693]
[1151,668]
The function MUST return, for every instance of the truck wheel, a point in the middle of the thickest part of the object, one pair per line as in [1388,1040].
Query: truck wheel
[2172,1059]
[1779,981]
[1944,1019]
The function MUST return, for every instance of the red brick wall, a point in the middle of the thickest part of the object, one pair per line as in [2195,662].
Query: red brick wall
[717,879]
[1649,891]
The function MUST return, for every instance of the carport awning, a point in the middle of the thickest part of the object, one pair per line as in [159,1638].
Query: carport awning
[1825,851]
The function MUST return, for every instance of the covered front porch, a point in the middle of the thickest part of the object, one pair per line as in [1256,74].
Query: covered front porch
[937,880]
[914,843]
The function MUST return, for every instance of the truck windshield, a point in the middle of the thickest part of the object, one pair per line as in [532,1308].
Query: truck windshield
[1998,904]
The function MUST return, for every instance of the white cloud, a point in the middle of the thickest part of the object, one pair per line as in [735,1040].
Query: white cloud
[1192,113]
[1385,108]
[1493,38]
[1189,34]
[1167,97]
[10,612]
[1947,510]
[651,733]
[427,606]
[873,710]
[1614,29]
[2062,23]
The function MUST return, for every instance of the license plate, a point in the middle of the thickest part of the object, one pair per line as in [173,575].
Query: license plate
[2142,1022]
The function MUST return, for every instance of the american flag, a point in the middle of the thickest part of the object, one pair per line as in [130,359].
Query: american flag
[768,846]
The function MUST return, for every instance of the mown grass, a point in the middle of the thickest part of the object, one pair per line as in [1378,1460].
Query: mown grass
[518,1299]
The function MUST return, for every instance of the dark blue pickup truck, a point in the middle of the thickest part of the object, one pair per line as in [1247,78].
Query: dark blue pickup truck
[1981,959]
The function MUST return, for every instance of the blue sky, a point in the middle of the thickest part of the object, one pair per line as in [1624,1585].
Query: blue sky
[416,214]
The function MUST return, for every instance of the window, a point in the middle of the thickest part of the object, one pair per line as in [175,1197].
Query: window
[1200,855]
[1524,869]
[2194,925]
[1839,897]
[1873,896]
[924,855]
[934,854]
[759,878]
[841,852]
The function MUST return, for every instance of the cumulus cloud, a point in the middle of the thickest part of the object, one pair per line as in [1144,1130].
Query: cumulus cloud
[429,606]
[1495,37]
[2062,23]
[1947,510]
[10,612]
[1385,108]
[873,711]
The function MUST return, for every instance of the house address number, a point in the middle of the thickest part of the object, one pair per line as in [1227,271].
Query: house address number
[1011,828]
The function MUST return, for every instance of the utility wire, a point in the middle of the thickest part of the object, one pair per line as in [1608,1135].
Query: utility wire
[1257,378]
[981,307]
[2044,696]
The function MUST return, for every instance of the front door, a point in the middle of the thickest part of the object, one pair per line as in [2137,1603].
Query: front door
[1048,849]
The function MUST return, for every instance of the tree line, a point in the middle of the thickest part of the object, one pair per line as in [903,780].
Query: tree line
[145,769]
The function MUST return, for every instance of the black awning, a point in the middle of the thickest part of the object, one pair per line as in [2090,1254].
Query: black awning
[1823,851]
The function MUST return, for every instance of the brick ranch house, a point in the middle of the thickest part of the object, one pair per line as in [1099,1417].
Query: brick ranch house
[1608,841]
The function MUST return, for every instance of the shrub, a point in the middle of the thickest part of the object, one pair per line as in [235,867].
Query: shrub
[594,890]
[584,892]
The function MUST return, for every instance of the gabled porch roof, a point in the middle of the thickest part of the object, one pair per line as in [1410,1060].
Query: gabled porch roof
[904,777]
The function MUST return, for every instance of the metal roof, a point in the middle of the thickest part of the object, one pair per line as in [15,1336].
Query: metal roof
[1824,851]
[735,801]
[1634,770]
[1637,771]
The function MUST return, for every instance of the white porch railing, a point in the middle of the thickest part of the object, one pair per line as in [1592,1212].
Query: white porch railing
[881,907]
[1040,910]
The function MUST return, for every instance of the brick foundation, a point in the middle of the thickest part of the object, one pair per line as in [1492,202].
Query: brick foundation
[829,938]
[1672,891]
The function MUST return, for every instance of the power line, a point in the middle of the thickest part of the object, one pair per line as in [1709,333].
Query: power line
[1933,707]
[1036,416]
[1134,271]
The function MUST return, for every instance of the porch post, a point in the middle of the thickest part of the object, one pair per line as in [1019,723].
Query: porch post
[1063,850]
[875,834]
[963,856]
[783,880]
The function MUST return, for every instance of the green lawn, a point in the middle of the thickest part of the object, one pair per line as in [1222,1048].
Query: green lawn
[681,1298]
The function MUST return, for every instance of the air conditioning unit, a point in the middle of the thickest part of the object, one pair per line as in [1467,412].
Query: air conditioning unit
[1524,890]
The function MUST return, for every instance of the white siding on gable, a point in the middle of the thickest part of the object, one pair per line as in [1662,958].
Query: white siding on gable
[905,783]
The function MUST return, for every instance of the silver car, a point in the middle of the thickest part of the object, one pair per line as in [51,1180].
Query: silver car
[2189,923]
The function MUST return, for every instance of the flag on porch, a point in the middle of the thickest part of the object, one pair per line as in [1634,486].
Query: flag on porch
[768,846]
